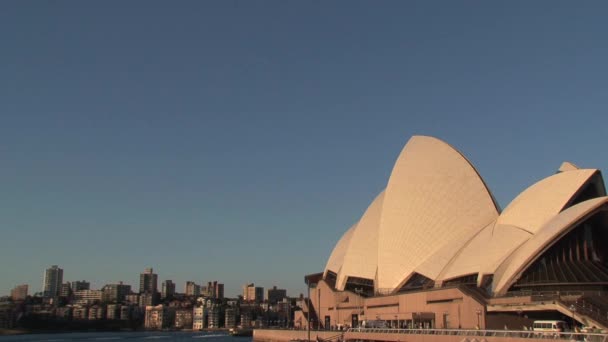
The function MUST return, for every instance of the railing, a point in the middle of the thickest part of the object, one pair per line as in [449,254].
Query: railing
[572,336]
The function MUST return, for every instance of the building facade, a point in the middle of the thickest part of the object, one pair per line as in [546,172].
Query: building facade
[167,289]
[252,293]
[53,278]
[148,281]
[19,292]
[115,293]
[276,295]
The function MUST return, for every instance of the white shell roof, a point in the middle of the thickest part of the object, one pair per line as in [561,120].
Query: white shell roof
[336,259]
[361,258]
[544,199]
[434,195]
[437,218]
[512,268]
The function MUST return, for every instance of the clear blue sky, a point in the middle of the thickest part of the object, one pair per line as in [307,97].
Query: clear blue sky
[237,140]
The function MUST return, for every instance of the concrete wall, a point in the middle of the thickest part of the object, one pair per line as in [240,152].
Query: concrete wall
[267,335]
[452,305]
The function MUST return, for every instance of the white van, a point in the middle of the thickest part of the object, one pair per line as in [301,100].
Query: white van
[549,326]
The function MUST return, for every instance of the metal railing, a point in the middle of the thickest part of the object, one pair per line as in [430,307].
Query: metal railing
[571,336]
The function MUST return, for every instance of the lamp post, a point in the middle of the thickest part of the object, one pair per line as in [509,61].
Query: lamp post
[572,311]
[360,306]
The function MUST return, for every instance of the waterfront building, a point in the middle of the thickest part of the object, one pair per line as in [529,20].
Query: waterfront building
[246,320]
[252,293]
[434,249]
[19,292]
[198,318]
[183,318]
[87,297]
[158,317]
[113,311]
[115,293]
[192,289]
[80,313]
[167,289]
[96,312]
[275,295]
[53,278]
[230,317]
[125,312]
[7,315]
[148,281]
[213,320]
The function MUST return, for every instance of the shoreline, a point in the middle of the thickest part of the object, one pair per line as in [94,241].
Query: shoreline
[15,332]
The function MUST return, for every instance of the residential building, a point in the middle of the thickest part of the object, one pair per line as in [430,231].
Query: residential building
[219,290]
[246,320]
[96,312]
[19,292]
[80,313]
[276,295]
[87,297]
[148,299]
[66,290]
[251,293]
[113,311]
[168,289]
[132,299]
[80,285]
[183,319]
[115,293]
[213,320]
[192,289]
[7,315]
[148,281]
[230,317]
[198,318]
[159,317]
[53,278]
[125,312]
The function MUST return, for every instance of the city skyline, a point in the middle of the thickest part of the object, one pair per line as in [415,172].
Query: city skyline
[222,140]
[142,284]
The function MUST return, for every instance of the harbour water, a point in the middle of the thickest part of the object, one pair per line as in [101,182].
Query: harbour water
[128,337]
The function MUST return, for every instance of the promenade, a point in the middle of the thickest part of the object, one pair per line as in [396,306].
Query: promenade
[422,335]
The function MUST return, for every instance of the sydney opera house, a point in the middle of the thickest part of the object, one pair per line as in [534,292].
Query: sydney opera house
[434,250]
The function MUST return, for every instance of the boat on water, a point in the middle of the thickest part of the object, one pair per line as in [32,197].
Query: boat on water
[240,332]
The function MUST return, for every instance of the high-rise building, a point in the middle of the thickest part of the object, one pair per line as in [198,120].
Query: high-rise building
[115,293]
[148,281]
[53,278]
[192,289]
[66,290]
[19,292]
[276,295]
[80,285]
[251,293]
[168,289]
[219,290]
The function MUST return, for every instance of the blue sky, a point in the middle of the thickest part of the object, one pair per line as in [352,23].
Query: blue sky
[237,140]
